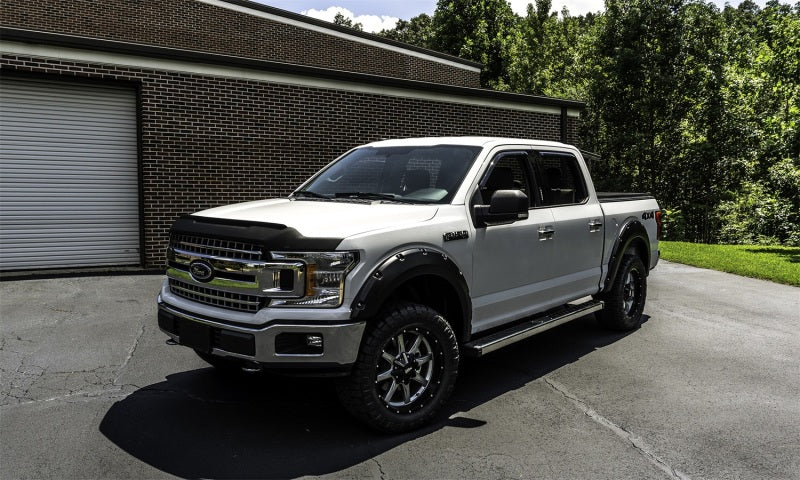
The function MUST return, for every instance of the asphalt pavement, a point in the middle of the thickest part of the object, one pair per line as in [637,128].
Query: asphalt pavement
[708,387]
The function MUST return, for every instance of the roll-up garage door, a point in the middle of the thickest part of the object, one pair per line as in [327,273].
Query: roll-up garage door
[69,194]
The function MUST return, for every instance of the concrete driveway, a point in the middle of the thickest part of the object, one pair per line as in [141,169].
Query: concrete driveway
[709,387]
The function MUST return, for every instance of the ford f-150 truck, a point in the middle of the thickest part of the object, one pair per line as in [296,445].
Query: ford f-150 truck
[402,256]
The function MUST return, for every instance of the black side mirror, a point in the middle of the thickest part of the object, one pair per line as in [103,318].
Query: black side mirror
[506,206]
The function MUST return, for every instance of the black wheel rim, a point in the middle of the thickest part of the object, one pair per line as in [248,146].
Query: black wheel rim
[631,292]
[408,370]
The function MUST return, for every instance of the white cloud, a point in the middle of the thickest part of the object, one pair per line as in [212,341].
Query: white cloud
[371,23]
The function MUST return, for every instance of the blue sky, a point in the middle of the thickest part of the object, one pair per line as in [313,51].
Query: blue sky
[378,14]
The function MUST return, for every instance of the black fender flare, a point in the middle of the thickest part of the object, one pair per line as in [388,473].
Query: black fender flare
[404,266]
[632,231]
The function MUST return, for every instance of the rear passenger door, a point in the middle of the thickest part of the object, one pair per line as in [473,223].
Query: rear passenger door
[577,240]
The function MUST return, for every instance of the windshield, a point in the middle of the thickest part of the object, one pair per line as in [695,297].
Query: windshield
[429,174]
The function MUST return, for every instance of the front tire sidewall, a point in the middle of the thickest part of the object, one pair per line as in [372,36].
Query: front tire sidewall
[360,393]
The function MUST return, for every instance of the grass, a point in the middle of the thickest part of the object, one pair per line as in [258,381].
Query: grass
[777,264]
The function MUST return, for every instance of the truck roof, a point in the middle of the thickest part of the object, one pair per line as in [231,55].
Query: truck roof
[471,141]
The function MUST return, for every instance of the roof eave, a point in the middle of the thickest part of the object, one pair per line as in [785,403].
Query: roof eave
[88,43]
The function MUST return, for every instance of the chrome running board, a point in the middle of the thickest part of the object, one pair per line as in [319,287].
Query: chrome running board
[530,327]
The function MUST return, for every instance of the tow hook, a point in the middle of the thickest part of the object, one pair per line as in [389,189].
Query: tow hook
[252,367]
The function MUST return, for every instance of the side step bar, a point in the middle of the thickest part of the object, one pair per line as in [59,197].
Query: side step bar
[530,327]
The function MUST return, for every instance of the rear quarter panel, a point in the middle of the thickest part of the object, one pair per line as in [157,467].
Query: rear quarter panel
[618,213]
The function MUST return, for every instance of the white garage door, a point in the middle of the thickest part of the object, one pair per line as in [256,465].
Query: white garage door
[69,192]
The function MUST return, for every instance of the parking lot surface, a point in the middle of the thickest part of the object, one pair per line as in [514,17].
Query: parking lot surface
[708,387]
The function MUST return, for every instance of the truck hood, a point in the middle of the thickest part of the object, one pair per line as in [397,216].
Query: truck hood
[325,219]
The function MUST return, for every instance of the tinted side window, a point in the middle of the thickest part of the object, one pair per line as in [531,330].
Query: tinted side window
[559,179]
[508,172]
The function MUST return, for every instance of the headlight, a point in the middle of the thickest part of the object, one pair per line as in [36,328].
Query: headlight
[324,273]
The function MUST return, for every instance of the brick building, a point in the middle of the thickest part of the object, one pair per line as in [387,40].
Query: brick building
[118,116]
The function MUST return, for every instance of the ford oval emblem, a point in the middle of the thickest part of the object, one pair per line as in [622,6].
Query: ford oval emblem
[201,271]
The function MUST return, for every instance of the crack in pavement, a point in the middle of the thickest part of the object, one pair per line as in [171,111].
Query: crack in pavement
[380,468]
[26,382]
[637,442]
[29,381]
[104,394]
[130,354]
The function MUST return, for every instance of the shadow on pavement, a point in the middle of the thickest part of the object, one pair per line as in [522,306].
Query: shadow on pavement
[791,254]
[201,424]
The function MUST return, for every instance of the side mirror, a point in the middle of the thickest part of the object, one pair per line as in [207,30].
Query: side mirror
[506,206]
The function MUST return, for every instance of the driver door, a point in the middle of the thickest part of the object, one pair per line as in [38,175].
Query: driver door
[511,262]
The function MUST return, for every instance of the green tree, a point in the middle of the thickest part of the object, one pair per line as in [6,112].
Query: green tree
[546,55]
[634,104]
[478,30]
[762,95]
[416,31]
[343,21]
[703,166]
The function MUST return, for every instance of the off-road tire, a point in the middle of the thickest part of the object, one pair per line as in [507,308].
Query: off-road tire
[624,303]
[405,371]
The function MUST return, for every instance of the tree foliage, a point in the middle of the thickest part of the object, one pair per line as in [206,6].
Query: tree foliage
[698,105]
[417,31]
[344,21]
[479,30]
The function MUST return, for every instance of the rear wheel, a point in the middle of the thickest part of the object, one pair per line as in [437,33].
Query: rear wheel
[406,369]
[624,303]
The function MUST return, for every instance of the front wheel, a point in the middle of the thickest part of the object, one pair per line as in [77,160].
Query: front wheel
[406,369]
[624,303]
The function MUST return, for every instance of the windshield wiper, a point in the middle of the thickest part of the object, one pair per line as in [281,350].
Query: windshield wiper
[368,196]
[388,197]
[309,193]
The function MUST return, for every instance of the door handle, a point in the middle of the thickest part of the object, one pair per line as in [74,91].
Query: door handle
[595,225]
[546,233]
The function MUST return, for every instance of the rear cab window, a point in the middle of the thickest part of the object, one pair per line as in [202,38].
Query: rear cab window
[559,180]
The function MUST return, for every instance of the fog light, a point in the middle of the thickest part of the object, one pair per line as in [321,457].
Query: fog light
[298,343]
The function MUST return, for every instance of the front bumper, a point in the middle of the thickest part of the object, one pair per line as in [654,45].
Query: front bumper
[328,345]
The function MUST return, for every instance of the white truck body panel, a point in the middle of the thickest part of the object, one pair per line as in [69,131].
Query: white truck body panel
[509,270]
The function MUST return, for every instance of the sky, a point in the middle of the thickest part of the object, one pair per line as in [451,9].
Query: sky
[376,15]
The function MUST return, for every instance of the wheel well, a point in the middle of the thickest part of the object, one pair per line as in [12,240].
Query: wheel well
[638,247]
[437,293]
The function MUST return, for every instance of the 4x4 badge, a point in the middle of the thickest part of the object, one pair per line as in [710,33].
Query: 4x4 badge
[201,271]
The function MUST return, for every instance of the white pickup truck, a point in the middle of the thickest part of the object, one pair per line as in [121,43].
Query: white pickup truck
[402,256]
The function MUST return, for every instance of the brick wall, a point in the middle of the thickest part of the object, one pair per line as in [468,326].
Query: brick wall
[192,25]
[574,131]
[210,141]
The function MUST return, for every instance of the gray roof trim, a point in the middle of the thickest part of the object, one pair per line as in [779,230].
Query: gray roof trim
[60,40]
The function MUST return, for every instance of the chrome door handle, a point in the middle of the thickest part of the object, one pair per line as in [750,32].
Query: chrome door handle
[595,225]
[546,233]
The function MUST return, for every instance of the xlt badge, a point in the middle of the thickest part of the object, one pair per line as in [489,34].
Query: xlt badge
[459,235]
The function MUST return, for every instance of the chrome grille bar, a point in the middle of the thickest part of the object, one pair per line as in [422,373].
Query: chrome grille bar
[214,247]
[241,278]
[217,298]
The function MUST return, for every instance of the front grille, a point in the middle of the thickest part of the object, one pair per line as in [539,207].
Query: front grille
[217,298]
[214,247]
